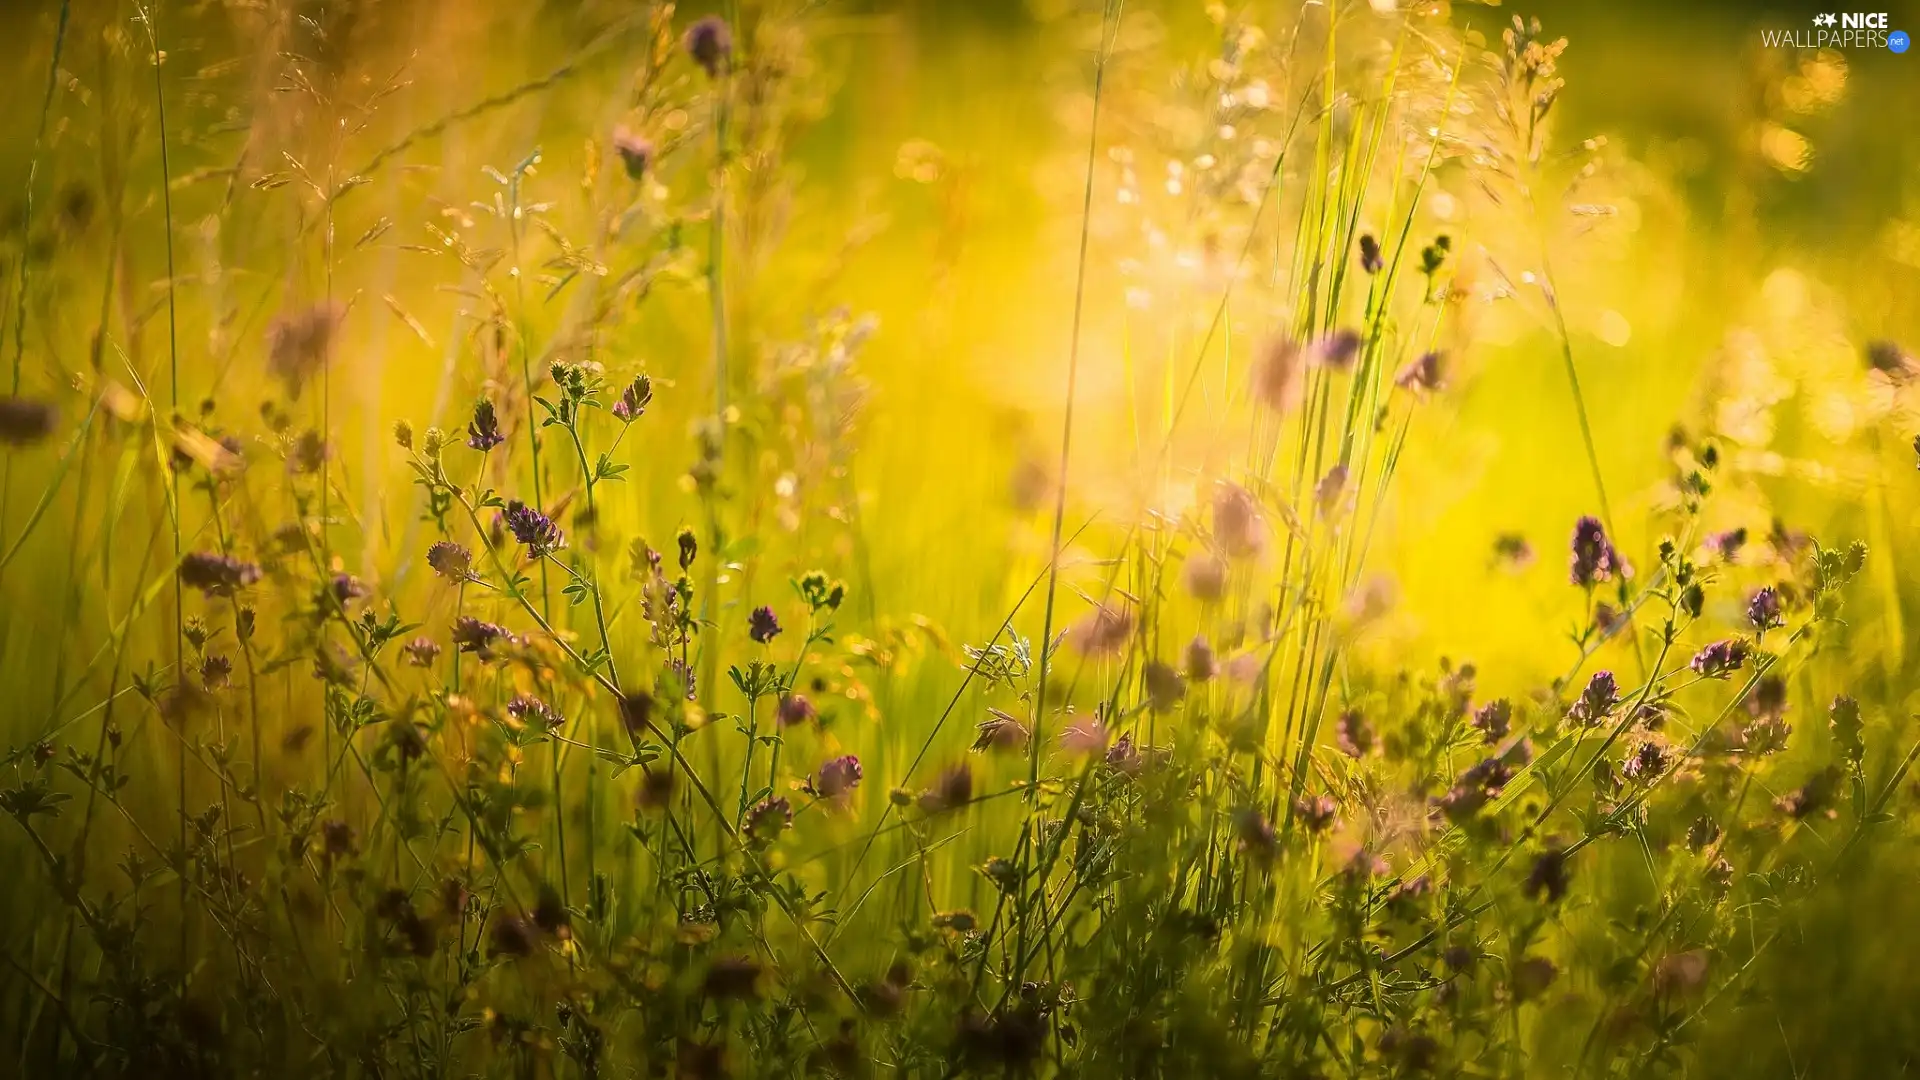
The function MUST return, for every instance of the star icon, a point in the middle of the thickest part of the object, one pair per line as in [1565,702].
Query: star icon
[1824,20]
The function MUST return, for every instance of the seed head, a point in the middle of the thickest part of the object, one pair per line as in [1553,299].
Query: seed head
[1000,731]
[689,547]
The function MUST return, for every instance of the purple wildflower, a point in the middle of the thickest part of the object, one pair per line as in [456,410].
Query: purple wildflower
[1720,659]
[1339,349]
[24,420]
[483,433]
[1764,610]
[1201,664]
[1316,812]
[1165,687]
[1494,719]
[534,713]
[1549,876]
[1425,374]
[422,651]
[1594,557]
[532,528]
[767,820]
[635,150]
[837,777]
[451,561]
[1353,734]
[710,44]
[471,635]
[216,575]
[1646,763]
[1602,693]
[762,624]
[794,709]
[634,400]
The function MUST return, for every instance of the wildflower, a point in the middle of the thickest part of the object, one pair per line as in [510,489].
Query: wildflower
[421,651]
[1646,763]
[689,546]
[1726,545]
[1236,521]
[1165,687]
[1123,756]
[1602,693]
[346,587]
[1720,659]
[1426,374]
[836,777]
[1494,719]
[1764,609]
[1338,350]
[532,528]
[1813,797]
[1206,576]
[216,672]
[1370,258]
[794,708]
[1702,832]
[1276,379]
[337,837]
[1200,662]
[470,635]
[952,789]
[635,150]
[656,788]
[307,453]
[24,420]
[550,914]
[1104,630]
[961,921]
[1532,976]
[634,399]
[710,44]
[1000,731]
[1316,812]
[1003,873]
[298,344]
[1353,734]
[483,432]
[762,625]
[767,820]
[1844,717]
[451,561]
[1890,359]
[216,575]
[1594,557]
[534,713]
[1513,550]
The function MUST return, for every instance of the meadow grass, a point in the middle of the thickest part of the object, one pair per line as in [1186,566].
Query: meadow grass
[603,558]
